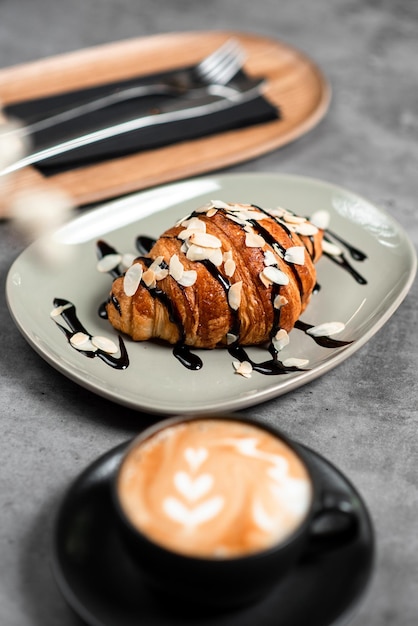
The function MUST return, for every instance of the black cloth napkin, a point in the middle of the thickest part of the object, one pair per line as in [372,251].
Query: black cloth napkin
[240,115]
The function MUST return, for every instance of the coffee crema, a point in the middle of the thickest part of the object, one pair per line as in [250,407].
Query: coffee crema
[214,488]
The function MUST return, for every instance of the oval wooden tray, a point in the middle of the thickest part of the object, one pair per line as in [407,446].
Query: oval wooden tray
[294,83]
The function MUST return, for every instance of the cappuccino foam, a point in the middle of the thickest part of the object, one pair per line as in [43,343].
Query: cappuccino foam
[214,488]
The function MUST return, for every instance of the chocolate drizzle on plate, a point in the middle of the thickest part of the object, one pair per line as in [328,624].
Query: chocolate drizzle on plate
[67,311]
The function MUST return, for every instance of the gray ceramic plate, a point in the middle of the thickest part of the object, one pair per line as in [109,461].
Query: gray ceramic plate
[155,381]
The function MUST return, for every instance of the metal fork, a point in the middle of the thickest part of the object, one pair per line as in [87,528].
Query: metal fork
[222,65]
[211,76]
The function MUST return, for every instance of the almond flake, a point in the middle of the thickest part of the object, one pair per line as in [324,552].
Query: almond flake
[231,338]
[156,263]
[281,340]
[194,223]
[132,279]
[227,255]
[274,275]
[295,255]
[291,218]
[280,301]
[176,269]
[269,258]
[326,329]
[161,273]
[331,248]
[204,208]
[306,229]
[294,362]
[229,267]
[104,344]
[108,262]
[60,309]
[197,253]
[245,368]
[212,212]
[149,278]
[320,219]
[205,240]
[82,342]
[234,295]
[278,212]
[219,204]
[216,256]
[236,219]
[127,259]
[253,240]
[188,278]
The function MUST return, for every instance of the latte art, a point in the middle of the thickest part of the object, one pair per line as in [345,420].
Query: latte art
[214,488]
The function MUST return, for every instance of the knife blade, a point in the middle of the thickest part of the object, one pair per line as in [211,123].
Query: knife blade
[166,114]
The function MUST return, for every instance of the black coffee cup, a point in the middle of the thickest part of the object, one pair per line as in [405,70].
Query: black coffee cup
[329,521]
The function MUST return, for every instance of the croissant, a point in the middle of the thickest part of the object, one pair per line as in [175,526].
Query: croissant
[227,273]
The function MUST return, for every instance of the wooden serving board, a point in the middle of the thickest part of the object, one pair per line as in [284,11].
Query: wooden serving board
[294,84]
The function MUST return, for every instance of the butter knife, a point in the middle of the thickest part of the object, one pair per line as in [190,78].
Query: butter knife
[166,114]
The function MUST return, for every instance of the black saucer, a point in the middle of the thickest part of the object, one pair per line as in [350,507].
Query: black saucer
[99,581]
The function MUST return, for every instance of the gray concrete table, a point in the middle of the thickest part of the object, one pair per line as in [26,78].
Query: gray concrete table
[362,415]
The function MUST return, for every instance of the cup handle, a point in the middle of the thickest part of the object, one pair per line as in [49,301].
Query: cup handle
[335,523]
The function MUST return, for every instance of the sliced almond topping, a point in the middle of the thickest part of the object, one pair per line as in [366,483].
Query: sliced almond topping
[105,344]
[149,278]
[276,212]
[280,301]
[320,219]
[294,362]
[231,338]
[219,204]
[194,223]
[253,240]
[290,218]
[281,340]
[60,309]
[274,275]
[109,262]
[236,219]
[216,256]
[269,258]
[81,341]
[234,295]
[161,273]
[205,240]
[188,278]
[127,259]
[245,368]
[156,263]
[204,208]
[306,229]
[295,255]
[132,279]
[326,329]
[176,269]
[229,267]
[331,248]
[197,253]
[212,212]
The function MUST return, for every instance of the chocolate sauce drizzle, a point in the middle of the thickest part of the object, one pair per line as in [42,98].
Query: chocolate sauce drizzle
[70,317]
[181,351]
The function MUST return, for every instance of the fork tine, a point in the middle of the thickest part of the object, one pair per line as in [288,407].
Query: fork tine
[227,70]
[222,64]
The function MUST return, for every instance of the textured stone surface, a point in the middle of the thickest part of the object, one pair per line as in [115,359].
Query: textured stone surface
[363,415]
